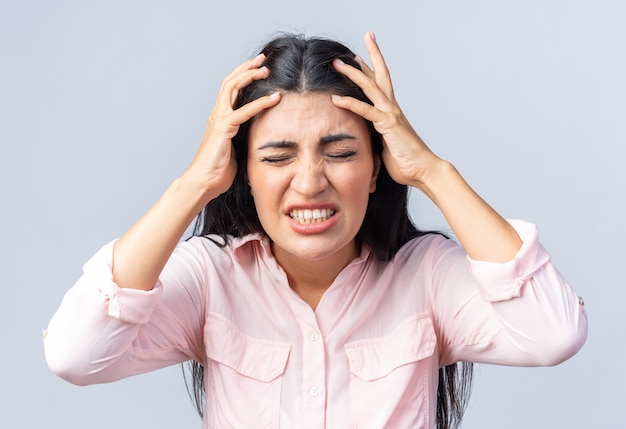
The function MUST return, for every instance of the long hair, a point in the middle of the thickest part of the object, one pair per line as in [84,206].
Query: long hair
[301,65]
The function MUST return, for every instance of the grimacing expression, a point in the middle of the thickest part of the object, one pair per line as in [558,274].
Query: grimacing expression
[311,170]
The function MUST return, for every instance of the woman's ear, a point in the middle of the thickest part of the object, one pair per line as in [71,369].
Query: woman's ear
[375,172]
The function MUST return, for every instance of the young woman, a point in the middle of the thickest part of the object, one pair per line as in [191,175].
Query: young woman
[307,298]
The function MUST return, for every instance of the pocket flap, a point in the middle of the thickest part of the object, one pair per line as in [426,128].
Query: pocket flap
[412,340]
[260,359]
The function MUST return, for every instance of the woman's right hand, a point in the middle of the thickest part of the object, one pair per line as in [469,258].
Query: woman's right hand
[213,167]
[140,255]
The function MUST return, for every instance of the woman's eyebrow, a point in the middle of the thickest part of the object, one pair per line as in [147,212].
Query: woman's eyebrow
[286,144]
[336,137]
[282,144]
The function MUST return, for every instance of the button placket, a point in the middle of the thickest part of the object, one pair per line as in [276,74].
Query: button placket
[314,374]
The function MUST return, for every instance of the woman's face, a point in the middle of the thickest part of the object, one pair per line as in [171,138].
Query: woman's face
[311,171]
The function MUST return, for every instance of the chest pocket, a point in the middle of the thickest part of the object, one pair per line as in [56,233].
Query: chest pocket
[243,377]
[391,372]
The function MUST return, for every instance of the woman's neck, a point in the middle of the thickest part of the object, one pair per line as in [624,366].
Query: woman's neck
[311,278]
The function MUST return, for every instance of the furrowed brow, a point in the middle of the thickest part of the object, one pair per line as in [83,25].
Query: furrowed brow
[286,144]
[335,138]
[283,144]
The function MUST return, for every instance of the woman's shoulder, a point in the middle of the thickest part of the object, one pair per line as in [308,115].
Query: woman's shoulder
[424,245]
[226,246]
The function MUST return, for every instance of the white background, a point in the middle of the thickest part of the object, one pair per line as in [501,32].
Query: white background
[103,103]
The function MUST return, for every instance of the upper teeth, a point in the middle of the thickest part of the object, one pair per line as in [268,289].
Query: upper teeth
[310,216]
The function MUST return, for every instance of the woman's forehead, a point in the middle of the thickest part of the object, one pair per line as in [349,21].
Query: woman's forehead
[306,113]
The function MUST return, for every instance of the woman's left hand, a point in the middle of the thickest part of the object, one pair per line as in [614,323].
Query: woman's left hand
[484,234]
[407,158]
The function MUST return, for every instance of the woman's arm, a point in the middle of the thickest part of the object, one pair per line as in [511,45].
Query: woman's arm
[506,303]
[522,312]
[141,253]
[484,234]
[102,333]
[139,304]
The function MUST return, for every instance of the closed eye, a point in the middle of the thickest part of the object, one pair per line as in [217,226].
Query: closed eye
[275,159]
[342,155]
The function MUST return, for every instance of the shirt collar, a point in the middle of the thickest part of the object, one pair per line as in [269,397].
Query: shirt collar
[239,243]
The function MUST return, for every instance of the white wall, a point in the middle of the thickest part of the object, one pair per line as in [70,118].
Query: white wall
[102,104]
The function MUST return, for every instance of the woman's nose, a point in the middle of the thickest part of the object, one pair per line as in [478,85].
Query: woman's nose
[310,178]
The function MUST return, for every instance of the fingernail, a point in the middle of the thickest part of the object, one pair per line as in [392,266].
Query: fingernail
[372,36]
[338,61]
[336,97]
[274,95]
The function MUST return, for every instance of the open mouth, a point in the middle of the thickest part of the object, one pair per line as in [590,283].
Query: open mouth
[311,216]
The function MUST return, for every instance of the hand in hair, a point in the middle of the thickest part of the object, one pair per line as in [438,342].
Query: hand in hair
[410,162]
[140,254]
[406,156]
[214,165]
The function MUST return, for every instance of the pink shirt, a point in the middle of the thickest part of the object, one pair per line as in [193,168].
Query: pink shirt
[368,357]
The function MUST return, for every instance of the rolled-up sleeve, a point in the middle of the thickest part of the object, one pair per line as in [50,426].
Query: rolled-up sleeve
[499,282]
[102,332]
[128,305]
[521,312]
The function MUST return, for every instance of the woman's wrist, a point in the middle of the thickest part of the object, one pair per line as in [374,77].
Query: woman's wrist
[198,190]
[435,180]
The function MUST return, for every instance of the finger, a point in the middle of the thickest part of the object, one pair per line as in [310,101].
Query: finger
[253,108]
[365,110]
[235,76]
[252,63]
[381,72]
[246,79]
[364,67]
[367,84]
[231,86]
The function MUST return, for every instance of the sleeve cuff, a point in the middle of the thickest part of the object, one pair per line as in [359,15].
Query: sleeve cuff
[128,305]
[504,281]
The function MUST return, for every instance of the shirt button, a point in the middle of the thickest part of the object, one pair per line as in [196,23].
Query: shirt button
[315,336]
[314,391]
[581,301]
